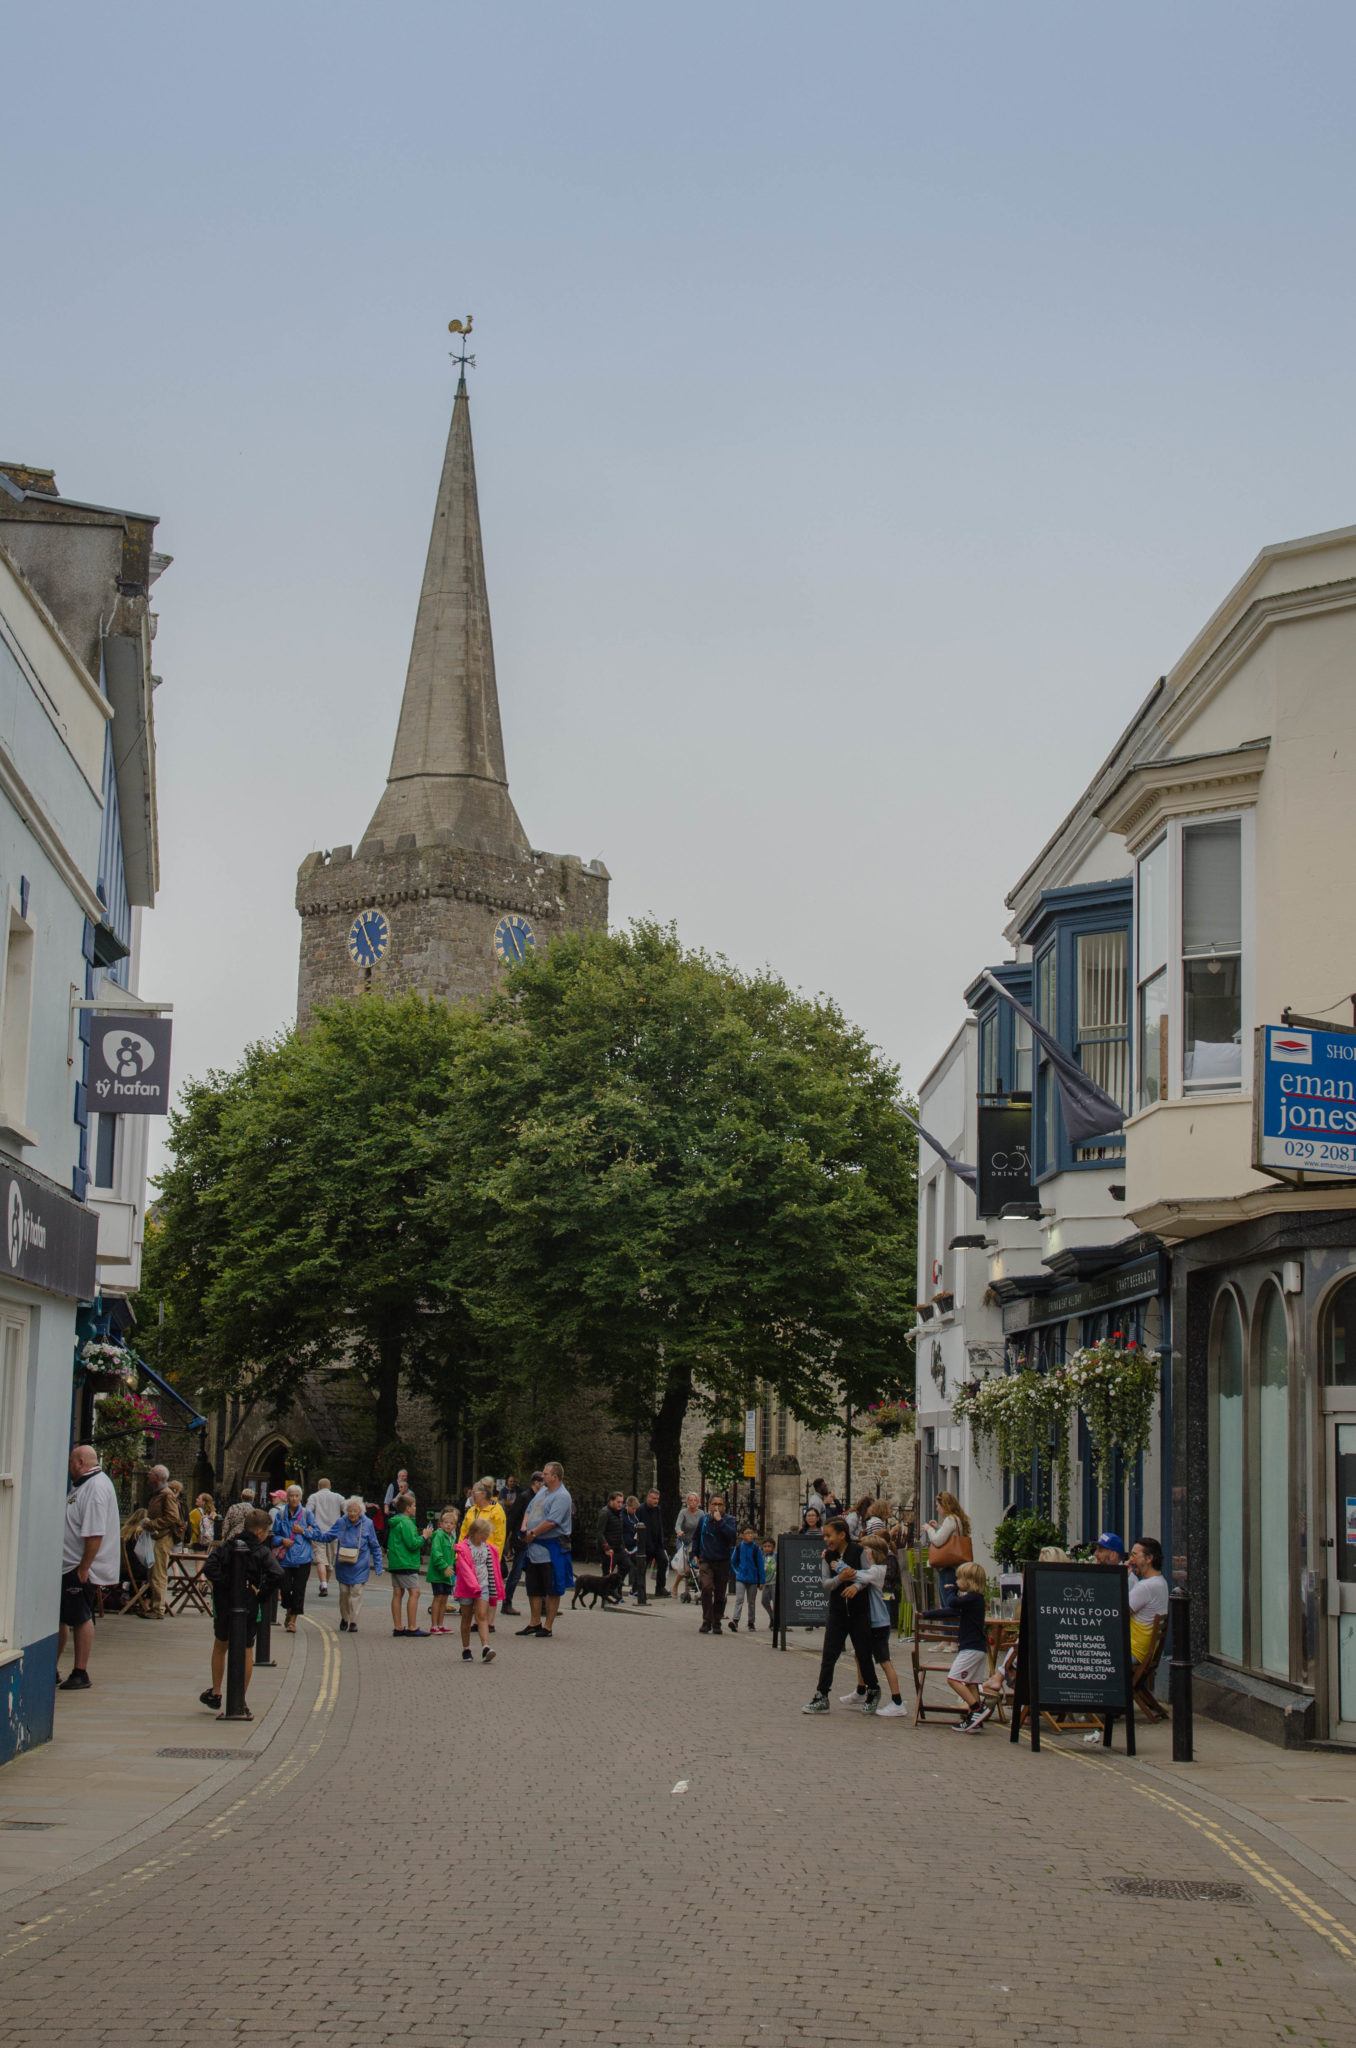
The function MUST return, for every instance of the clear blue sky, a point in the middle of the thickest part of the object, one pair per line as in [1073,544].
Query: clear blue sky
[871,402]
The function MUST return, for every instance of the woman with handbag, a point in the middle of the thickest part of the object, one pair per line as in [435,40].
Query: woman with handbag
[357,1556]
[948,1545]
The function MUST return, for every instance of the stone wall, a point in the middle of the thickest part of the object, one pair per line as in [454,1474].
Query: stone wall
[442,903]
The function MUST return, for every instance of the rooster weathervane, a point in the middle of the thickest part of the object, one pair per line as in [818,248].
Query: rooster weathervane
[463,328]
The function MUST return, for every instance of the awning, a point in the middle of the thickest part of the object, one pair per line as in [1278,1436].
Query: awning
[195,1421]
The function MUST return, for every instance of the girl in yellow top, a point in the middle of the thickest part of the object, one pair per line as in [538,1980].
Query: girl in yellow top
[484,1507]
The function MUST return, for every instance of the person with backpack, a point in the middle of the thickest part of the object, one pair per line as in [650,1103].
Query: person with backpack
[748,1572]
[712,1547]
[263,1575]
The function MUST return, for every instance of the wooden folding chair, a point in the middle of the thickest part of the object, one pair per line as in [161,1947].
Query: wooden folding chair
[1146,1671]
[140,1590]
[933,1651]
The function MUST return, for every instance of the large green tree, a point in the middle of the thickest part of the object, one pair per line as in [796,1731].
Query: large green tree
[293,1227]
[672,1182]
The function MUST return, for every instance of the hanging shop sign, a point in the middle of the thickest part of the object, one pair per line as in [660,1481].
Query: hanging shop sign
[1304,1103]
[802,1597]
[1132,1282]
[1073,1654]
[129,1065]
[1004,1156]
[50,1239]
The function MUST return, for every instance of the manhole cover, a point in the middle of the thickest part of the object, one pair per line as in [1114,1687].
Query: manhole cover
[27,1825]
[203,1755]
[1214,1890]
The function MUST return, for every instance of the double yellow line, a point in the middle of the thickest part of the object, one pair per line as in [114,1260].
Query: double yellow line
[223,1823]
[1332,1930]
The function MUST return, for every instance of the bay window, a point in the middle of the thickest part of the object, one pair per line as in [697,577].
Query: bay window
[1151,973]
[1192,959]
[1212,955]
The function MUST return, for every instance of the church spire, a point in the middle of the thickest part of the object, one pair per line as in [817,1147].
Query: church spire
[447,770]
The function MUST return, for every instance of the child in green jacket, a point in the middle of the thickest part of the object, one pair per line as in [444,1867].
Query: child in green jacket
[404,1550]
[441,1565]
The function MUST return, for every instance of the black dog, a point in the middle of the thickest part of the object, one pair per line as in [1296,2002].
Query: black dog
[592,1590]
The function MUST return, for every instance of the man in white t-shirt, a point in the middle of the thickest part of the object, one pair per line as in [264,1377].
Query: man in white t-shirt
[91,1556]
[1148,1594]
[327,1506]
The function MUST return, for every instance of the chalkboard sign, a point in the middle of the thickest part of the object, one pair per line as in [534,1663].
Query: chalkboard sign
[1074,1647]
[1004,1156]
[802,1601]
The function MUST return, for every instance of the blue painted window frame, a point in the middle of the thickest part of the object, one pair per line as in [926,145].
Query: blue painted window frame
[1053,930]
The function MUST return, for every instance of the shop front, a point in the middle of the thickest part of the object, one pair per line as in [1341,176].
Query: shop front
[1266,1448]
[1097,1292]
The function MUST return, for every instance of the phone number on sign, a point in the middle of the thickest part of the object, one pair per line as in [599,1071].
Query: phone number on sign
[1315,1149]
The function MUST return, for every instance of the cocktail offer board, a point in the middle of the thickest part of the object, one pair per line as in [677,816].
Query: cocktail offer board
[1073,1647]
[801,1601]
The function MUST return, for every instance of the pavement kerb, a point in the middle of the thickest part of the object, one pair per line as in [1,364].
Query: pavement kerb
[166,1817]
[1280,1838]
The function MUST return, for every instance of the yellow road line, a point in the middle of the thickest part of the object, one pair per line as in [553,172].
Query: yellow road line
[1332,1930]
[221,1824]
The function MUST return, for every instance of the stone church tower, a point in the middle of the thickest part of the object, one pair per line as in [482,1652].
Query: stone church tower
[444,887]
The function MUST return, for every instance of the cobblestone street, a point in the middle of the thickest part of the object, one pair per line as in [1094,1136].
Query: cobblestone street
[435,1852]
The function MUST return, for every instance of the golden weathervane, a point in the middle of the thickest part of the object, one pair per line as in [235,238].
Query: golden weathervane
[463,328]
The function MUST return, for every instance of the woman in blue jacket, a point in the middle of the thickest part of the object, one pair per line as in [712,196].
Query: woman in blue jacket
[748,1569]
[295,1529]
[357,1556]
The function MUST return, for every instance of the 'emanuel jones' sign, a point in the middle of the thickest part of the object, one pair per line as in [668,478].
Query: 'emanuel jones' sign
[1073,1652]
[129,1065]
[802,1599]
[1304,1101]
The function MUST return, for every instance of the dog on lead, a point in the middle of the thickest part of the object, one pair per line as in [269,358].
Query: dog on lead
[596,1589]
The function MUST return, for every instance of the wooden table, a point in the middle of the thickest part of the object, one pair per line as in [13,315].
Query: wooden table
[187,1587]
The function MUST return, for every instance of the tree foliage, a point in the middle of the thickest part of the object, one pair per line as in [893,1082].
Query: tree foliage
[634,1170]
[293,1228]
[671,1180]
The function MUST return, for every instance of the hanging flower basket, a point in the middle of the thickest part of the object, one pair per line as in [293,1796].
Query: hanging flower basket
[720,1459]
[122,1424]
[886,1420]
[1027,1416]
[1114,1385]
[107,1366]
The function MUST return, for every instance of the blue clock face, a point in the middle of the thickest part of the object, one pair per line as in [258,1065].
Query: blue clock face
[514,939]
[368,938]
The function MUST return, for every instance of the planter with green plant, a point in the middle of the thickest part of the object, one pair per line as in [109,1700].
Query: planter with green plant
[1019,1539]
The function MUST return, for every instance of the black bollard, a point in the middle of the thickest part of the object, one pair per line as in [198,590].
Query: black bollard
[263,1637]
[1179,1676]
[238,1640]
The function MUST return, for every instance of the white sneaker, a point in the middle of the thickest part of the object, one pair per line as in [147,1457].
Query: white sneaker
[890,1713]
[852,1699]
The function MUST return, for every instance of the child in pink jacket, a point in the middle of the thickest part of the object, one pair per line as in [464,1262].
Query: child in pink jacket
[478,1581]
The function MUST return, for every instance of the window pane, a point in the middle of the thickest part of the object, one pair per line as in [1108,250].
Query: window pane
[1212,1006]
[1153,1039]
[104,1142]
[1047,992]
[1103,1018]
[1022,1045]
[1273,1506]
[1151,947]
[988,1056]
[1341,1348]
[1226,1484]
[1212,914]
